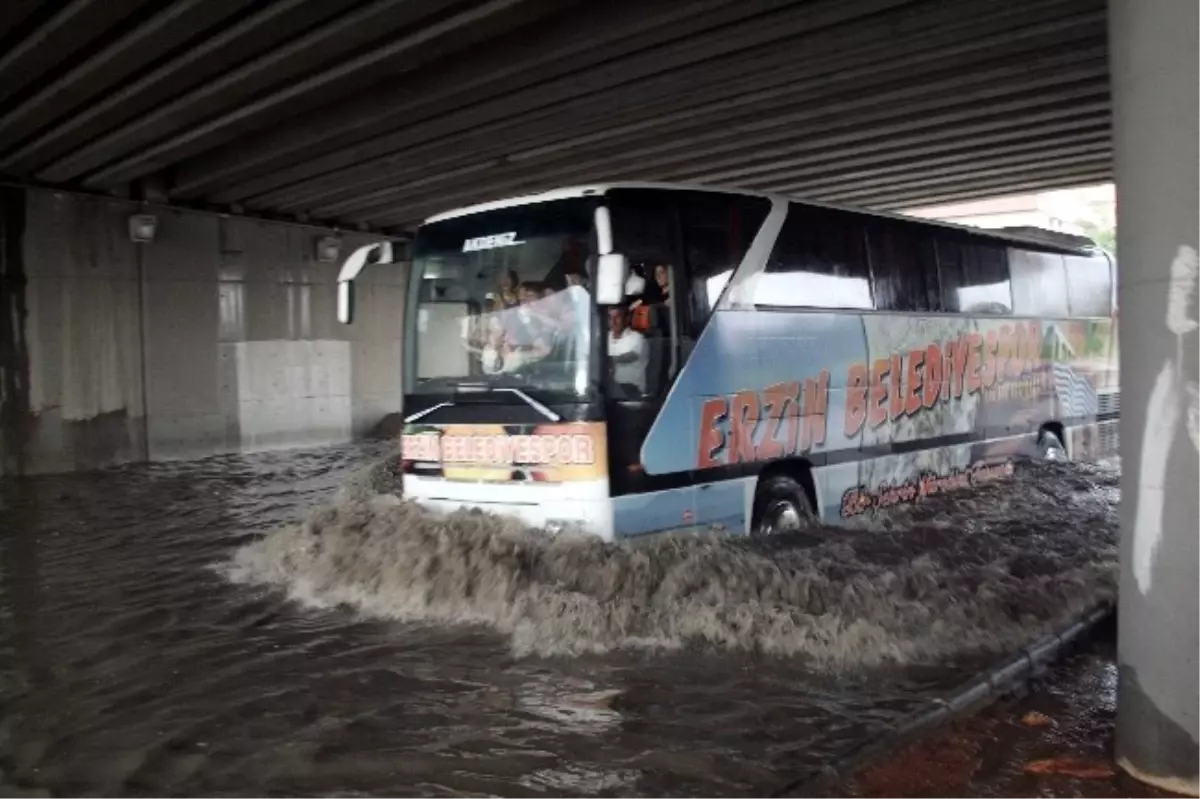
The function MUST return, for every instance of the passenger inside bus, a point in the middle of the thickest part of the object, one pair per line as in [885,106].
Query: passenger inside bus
[656,291]
[508,289]
[541,327]
[637,299]
[649,314]
[662,283]
[628,354]
[526,332]
[529,323]
[490,337]
[539,330]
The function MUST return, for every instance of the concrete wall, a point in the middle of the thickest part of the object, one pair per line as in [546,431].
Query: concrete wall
[219,336]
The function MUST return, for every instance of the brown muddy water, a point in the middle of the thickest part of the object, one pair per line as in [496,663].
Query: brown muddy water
[282,625]
[1054,741]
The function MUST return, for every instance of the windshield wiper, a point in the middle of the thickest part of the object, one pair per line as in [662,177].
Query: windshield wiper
[482,388]
[414,417]
[532,403]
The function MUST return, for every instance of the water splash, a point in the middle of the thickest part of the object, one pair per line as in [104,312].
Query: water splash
[957,575]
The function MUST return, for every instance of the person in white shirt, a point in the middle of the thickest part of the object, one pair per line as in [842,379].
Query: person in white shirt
[628,352]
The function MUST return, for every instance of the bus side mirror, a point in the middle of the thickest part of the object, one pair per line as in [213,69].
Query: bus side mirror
[611,271]
[380,253]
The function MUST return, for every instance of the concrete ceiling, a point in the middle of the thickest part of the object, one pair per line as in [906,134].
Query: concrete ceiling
[378,113]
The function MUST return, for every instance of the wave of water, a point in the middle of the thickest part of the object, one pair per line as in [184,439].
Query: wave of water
[957,575]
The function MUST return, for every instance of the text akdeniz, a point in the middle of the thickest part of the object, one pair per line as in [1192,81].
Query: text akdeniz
[491,242]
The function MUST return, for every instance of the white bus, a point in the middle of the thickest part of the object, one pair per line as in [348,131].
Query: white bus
[643,358]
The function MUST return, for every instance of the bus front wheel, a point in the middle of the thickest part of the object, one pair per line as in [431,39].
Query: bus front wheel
[781,506]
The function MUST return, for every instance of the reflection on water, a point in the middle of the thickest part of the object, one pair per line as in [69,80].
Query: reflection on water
[466,656]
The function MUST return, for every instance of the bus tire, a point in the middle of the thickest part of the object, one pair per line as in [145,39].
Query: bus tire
[1050,446]
[781,506]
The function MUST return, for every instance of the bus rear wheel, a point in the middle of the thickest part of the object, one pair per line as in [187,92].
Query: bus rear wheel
[1050,446]
[781,506]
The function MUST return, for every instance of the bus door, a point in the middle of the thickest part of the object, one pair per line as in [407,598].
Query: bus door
[646,230]
[686,245]
[716,230]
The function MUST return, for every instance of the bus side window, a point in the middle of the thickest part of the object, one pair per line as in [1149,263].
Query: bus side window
[714,287]
[644,231]
[903,267]
[1039,282]
[818,262]
[973,277]
[1089,285]
[717,231]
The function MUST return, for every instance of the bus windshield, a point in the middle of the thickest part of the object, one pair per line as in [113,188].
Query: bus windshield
[501,298]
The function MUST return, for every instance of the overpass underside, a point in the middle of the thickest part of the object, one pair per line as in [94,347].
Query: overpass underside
[372,115]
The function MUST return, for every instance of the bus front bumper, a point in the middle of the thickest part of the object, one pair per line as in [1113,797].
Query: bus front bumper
[553,506]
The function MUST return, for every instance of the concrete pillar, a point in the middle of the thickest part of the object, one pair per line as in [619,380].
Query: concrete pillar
[1155,86]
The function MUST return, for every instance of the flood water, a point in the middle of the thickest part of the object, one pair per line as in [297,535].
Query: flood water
[280,624]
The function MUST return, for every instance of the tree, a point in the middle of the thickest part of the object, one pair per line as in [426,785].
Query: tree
[1103,235]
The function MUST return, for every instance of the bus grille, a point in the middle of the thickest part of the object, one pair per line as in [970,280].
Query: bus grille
[1109,402]
[1110,438]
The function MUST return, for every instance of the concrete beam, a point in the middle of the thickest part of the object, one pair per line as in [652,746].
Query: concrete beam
[498,69]
[799,120]
[337,45]
[873,172]
[891,91]
[264,28]
[892,175]
[1095,155]
[60,36]
[143,43]
[375,111]
[14,15]
[651,166]
[439,37]
[597,86]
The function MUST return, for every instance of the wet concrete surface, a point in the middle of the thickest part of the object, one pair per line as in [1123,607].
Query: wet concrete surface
[1054,740]
[174,629]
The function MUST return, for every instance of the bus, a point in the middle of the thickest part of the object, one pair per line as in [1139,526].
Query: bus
[635,358]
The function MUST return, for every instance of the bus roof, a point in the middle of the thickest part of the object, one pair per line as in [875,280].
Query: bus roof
[1027,236]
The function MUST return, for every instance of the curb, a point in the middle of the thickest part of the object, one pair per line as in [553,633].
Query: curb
[970,696]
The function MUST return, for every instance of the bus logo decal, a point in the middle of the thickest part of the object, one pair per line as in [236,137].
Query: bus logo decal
[906,383]
[784,419]
[492,242]
[860,499]
[784,406]
[573,446]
